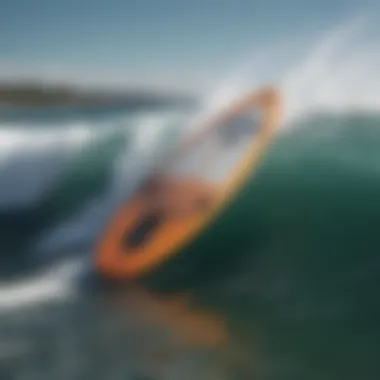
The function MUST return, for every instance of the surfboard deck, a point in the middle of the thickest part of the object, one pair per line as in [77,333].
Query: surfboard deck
[184,204]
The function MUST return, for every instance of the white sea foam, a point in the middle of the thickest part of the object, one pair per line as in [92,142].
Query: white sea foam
[337,70]
[55,284]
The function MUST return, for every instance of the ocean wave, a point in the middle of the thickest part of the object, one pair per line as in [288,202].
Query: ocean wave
[59,185]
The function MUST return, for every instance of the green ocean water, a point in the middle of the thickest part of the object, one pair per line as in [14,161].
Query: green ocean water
[297,300]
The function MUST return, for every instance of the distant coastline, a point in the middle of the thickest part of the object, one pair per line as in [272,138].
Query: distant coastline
[36,95]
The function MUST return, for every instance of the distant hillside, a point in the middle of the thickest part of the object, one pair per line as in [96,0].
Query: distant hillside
[38,95]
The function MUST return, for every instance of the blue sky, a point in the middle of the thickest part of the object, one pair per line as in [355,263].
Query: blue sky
[184,43]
